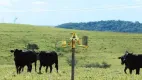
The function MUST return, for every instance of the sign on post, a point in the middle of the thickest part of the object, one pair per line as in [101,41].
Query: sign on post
[74,38]
[63,43]
[85,40]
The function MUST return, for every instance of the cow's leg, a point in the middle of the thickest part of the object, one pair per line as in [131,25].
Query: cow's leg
[50,68]
[130,71]
[40,68]
[125,70]
[29,67]
[16,65]
[46,69]
[56,66]
[20,69]
[35,66]
[137,70]
[17,69]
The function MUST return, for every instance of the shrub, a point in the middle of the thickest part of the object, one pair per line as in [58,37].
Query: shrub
[97,65]
[105,65]
[60,54]
[59,49]
[69,61]
[32,46]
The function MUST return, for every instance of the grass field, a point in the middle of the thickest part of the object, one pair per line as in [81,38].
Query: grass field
[103,47]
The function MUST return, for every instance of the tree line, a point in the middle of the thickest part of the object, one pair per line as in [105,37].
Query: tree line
[109,25]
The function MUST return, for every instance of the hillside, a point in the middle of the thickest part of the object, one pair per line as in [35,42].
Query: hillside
[110,25]
[103,47]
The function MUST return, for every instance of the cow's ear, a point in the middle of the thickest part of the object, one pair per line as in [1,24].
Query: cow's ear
[119,57]
[20,50]
[126,52]
[11,51]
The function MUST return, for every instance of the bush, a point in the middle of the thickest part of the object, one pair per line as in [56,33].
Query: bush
[60,54]
[69,61]
[97,65]
[105,65]
[59,49]
[32,46]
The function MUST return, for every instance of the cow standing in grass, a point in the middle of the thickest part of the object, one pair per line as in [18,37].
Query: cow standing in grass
[23,58]
[48,59]
[123,61]
[132,61]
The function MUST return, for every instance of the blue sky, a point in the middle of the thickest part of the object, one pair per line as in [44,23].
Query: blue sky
[55,12]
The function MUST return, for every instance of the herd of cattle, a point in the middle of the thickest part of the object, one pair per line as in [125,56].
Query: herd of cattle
[26,58]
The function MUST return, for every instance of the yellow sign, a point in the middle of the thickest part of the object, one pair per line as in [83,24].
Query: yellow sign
[74,36]
[63,43]
[74,39]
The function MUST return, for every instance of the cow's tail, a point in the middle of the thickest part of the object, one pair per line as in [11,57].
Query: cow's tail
[56,63]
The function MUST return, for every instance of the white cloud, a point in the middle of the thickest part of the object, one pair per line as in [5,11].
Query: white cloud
[118,7]
[138,0]
[105,7]
[12,10]
[39,2]
[114,7]
[5,3]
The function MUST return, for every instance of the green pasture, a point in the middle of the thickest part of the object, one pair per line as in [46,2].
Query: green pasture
[103,47]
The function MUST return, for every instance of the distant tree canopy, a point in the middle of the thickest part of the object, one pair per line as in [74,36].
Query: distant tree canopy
[110,25]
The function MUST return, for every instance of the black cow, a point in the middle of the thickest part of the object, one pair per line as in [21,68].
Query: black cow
[132,61]
[123,62]
[23,58]
[48,59]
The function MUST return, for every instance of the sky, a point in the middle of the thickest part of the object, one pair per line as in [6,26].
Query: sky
[55,12]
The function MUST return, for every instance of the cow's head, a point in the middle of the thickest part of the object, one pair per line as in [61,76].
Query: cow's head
[123,58]
[15,51]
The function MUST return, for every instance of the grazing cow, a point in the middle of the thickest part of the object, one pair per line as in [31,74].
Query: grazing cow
[23,58]
[132,61]
[48,59]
